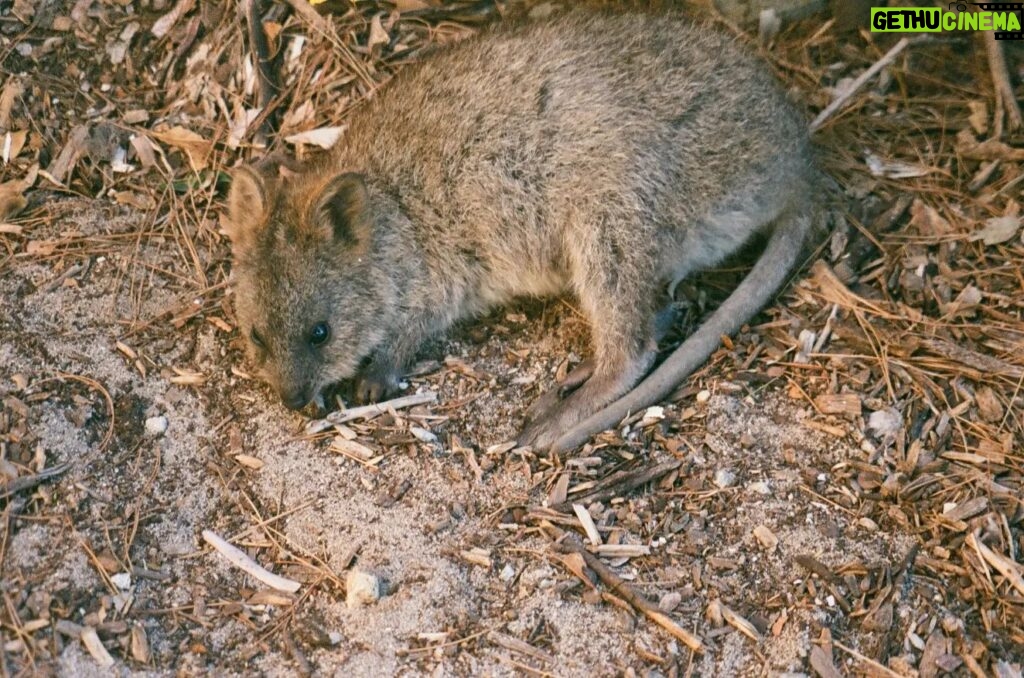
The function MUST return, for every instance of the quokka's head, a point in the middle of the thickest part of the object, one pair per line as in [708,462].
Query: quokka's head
[303,277]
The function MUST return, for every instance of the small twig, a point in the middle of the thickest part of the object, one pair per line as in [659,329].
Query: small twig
[626,592]
[369,411]
[304,667]
[859,82]
[621,483]
[96,386]
[240,560]
[1005,99]
[450,643]
[881,668]
[25,482]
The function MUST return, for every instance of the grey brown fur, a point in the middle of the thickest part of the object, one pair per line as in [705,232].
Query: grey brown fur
[605,155]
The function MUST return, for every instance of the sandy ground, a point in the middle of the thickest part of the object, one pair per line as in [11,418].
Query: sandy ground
[448,536]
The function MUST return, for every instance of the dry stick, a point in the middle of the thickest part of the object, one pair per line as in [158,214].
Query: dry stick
[852,89]
[253,15]
[620,484]
[239,559]
[1005,99]
[881,668]
[25,482]
[369,411]
[637,600]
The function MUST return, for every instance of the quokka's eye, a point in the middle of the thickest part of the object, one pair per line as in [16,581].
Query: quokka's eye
[319,335]
[256,338]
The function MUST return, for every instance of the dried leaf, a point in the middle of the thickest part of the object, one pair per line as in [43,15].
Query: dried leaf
[12,144]
[997,230]
[978,117]
[194,146]
[378,36]
[140,201]
[11,199]
[894,169]
[12,90]
[989,406]
[323,137]
[164,24]
[927,220]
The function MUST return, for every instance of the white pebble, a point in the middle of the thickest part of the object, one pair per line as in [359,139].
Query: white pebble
[653,415]
[422,434]
[156,426]
[725,478]
[760,487]
[121,580]
[361,588]
[703,396]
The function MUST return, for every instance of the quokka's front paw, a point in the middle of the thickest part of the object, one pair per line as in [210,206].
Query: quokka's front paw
[538,434]
[373,387]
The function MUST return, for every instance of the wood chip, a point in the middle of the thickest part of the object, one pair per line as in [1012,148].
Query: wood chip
[848,404]
[477,556]
[967,509]
[522,647]
[1006,567]
[623,550]
[588,524]
[766,537]
[249,462]
[94,646]
[351,448]
[139,644]
[741,624]
[822,664]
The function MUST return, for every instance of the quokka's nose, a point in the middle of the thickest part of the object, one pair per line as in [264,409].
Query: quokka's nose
[295,400]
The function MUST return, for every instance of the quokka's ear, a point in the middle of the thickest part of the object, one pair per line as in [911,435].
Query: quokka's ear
[248,206]
[342,211]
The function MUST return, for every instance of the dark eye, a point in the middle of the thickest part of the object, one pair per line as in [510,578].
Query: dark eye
[256,338]
[319,334]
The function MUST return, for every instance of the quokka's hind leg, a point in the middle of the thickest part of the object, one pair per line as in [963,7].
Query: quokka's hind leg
[616,290]
[580,374]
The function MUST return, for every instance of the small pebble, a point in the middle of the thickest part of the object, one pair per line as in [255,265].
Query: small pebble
[766,537]
[725,478]
[361,588]
[507,573]
[670,601]
[422,434]
[121,580]
[760,487]
[653,415]
[156,426]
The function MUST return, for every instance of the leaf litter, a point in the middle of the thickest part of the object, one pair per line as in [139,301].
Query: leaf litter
[869,423]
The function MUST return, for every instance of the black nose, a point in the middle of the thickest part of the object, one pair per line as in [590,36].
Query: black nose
[295,400]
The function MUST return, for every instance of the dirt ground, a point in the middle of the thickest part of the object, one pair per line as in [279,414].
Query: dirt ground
[839,491]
